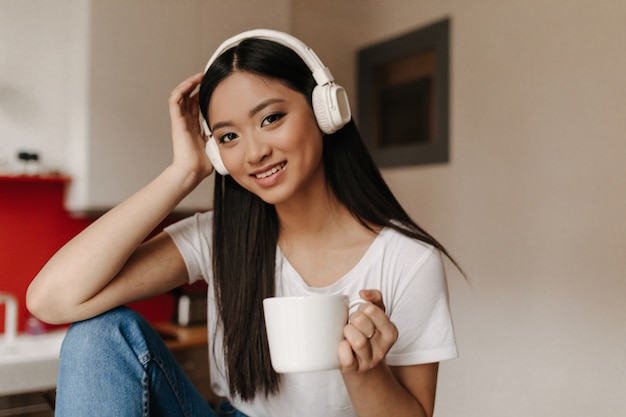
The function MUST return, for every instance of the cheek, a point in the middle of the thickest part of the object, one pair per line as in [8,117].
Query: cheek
[231,158]
[307,135]
[313,143]
[236,172]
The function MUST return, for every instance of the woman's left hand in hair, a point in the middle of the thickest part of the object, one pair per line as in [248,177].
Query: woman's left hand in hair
[368,336]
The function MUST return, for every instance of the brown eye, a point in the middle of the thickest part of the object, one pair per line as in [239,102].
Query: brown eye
[227,137]
[272,118]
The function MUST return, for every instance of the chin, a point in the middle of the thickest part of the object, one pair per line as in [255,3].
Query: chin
[272,199]
[275,196]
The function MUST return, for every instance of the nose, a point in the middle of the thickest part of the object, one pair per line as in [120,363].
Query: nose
[257,150]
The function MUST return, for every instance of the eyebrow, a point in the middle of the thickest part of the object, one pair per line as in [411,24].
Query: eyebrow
[256,109]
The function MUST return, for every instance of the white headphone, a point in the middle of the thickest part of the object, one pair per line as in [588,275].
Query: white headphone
[330,101]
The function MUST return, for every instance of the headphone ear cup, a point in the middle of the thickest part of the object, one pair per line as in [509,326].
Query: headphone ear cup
[213,153]
[331,107]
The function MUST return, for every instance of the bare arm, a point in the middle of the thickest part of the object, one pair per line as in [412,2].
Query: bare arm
[395,391]
[107,265]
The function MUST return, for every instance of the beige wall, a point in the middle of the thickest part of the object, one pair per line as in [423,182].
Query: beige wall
[533,200]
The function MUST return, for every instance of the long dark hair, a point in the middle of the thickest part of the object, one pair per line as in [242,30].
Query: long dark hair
[245,229]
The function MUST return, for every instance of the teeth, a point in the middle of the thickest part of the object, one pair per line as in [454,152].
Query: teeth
[271,171]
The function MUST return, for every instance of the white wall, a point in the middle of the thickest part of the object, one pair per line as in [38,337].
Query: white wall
[33,80]
[139,51]
[533,200]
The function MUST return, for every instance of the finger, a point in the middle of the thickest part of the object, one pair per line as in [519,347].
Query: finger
[346,356]
[374,297]
[183,106]
[184,91]
[189,85]
[359,343]
[385,329]
[362,320]
[375,326]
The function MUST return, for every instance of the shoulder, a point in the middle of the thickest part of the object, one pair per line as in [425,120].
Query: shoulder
[412,269]
[406,250]
[193,238]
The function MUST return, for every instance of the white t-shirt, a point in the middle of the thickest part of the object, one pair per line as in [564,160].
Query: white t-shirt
[409,274]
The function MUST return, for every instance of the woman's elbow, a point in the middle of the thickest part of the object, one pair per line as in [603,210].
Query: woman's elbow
[40,305]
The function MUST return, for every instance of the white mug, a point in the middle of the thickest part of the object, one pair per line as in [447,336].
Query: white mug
[304,332]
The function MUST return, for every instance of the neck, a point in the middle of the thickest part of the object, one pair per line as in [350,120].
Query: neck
[316,214]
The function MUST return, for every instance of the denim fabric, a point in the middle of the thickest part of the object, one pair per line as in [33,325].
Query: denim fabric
[116,365]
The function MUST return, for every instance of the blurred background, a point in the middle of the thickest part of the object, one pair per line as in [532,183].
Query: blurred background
[532,202]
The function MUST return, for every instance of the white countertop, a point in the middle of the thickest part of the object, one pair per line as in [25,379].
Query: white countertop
[30,363]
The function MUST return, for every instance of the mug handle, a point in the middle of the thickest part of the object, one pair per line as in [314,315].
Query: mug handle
[357,302]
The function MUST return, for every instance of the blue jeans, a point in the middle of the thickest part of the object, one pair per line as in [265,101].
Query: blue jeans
[117,365]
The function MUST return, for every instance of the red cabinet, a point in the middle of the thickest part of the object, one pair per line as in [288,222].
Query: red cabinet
[33,226]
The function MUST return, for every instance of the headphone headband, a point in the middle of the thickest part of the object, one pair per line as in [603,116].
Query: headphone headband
[320,72]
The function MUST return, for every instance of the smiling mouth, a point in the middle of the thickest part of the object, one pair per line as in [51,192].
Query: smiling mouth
[271,171]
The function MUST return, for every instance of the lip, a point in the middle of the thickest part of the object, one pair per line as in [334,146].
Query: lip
[267,170]
[271,178]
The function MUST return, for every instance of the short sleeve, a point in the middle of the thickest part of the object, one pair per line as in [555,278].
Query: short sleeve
[193,236]
[422,315]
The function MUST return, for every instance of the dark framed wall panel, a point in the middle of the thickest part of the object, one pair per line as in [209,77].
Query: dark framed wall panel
[403,97]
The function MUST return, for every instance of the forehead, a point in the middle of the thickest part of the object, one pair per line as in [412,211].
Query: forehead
[241,91]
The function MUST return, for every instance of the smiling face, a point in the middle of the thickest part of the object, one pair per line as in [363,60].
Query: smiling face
[267,136]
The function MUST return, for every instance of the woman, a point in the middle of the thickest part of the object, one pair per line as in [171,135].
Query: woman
[299,208]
